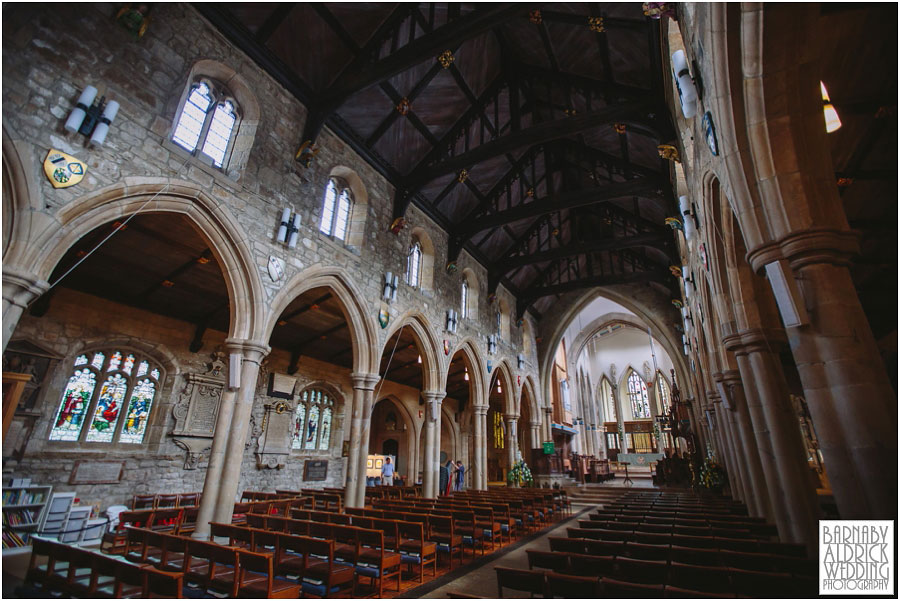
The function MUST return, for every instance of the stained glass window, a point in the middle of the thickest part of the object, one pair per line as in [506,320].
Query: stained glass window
[413,264]
[207,116]
[74,404]
[499,430]
[106,404]
[138,412]
[313,420]
[637,392]
[336,210]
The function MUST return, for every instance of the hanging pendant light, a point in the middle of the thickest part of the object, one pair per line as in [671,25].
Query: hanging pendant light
[466,374]
[419,359]
[499,388]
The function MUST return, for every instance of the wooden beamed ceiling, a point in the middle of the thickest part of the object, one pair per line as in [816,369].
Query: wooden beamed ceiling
[497,121]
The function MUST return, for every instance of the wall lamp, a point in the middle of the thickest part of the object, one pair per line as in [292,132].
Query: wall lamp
[492,344]
[452,320]
[390,287]
[520,360]
[688,278]
[91,118]
[289,228]
[690,223]
[687,91]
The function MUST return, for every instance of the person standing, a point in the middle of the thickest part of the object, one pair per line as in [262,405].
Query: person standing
[444,479]
[387,472]
[460,475]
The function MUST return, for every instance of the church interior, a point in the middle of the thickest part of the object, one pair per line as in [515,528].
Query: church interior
[466,300]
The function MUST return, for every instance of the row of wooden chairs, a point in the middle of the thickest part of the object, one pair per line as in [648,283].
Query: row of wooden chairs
[154,501]
[175,520]
[553,584]
[729,531]
[60,569]
[514,514]
[409,539]
[668,555]
[682,540]
[684,519]
[326,500]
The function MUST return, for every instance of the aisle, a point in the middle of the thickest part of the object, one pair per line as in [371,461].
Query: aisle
[480,579]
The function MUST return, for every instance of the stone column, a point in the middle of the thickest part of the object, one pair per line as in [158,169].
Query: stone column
[511,438]
[778,438]
[534,434]
[850,398]
[548,424]
[214,468]
[620,419]
[363,400]
[438,433]
[479,469]
[730,448]
[430,474]
[253,354]
[361,382]
[20,288]
[731,379]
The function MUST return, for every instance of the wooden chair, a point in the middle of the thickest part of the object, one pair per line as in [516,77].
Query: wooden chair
[346,544]
[565,544]
[591,565]
[116,579]
[618,589]
[164,501]
[708,579]
[188,520]
[374,561]
[548,560]
[520,580]
[443,533]
[163,584]
[136,545]
[698,557]
[644,551]
[113,542]
[415,549]
[324,577]
[165,520]
[143,502]
[205,561]
[572,587]
[641,571]
[39,574]
[289,551]
[256,578]
[237,536]
[188,499]
[80,579]
[173,553]
[239,513]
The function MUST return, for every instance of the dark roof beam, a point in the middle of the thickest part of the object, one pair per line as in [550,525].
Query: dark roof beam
[580,248]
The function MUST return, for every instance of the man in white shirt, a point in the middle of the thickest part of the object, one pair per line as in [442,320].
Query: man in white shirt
[387,472]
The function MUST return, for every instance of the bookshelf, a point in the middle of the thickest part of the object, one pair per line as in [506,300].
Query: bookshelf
[24,509]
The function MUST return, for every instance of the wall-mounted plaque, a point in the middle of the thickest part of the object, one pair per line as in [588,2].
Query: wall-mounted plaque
[315,470]
[196,412]
[96,472]
[281,386]
[274,442]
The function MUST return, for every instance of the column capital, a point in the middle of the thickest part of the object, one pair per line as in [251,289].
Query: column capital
[20,287]
[548,410]
[534,423]
[481,410]
[807,247]
[729,376]
[434,396]
[364,381]
[510,417]
[251,350]
[756,340]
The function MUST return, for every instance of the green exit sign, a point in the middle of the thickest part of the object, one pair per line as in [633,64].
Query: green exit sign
[549,448]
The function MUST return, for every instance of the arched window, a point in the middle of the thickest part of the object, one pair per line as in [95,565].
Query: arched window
[206,124]
[312,421]
[606,400]
[414,264]
[336,210]
[464,301]
[662,392]
[128,382]
[637,392]
[499,430]
[498,322]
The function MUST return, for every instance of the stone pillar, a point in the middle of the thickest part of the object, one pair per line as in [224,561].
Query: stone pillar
[620,419]
[851,401]
[361,383]
[479,469]
[430,467]
[724,450]
[438,432]
[534,437]
[253,354]
[548,424]
[731,379]
[511,438]
[363,401]
[214,468]
[778,438]
[20,288]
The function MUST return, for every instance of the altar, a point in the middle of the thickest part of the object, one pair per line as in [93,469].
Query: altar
[640,459]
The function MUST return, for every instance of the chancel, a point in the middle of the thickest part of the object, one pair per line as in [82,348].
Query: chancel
[585,300]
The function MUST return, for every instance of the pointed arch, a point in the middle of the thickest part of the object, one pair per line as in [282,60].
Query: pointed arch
[503,372]
[529,392]
[433,369]
[208,215]
[362,332]
[469,348]
[17,199]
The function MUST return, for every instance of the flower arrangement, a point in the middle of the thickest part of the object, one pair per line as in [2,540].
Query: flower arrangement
[520,474]
[712,476]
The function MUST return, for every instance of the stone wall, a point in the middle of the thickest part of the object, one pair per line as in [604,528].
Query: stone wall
[50,54]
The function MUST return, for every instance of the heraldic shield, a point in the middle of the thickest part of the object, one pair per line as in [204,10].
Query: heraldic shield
[63,170]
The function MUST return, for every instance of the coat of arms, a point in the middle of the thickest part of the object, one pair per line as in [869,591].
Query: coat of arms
[383,316]
[63,170]
[446,347]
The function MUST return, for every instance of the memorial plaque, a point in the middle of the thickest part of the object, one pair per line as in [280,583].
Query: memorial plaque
[315,470]
[198,409]
[96,472]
